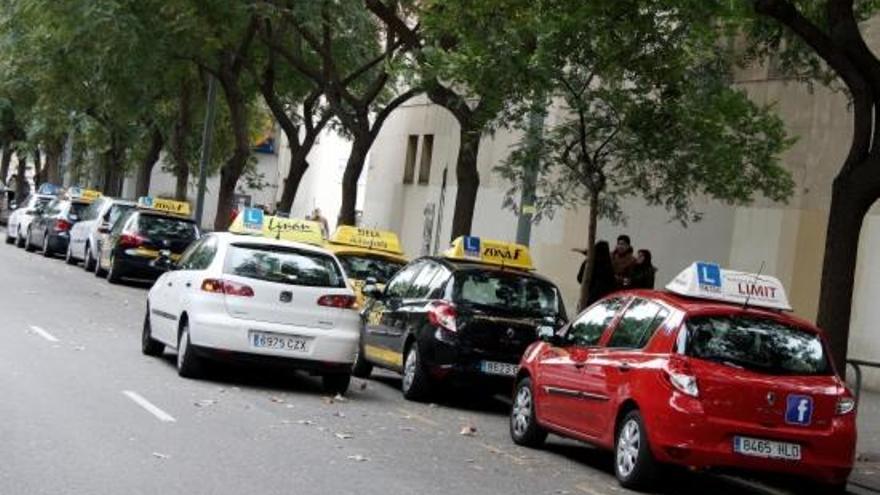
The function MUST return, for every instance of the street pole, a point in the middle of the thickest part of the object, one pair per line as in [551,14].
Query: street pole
[207,136]
[534,133]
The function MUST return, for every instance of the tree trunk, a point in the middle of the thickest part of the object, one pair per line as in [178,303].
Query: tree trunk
[468,180]
[234,166]
[21,184]
[591,252]
[52,166]
[39,172]
[299,164]
[4,164]
[114,168]
[179,139]
[851,198]
[145,171]
[353,169]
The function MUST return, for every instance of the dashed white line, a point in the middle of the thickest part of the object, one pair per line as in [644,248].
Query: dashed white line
[42,333]
[149,406]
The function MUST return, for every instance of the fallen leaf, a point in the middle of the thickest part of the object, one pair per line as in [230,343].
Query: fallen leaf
[340,398]
[357,458]
[468,431]
[277,400]
[204,403]
[406,428]
[363,386]
[306,422]
[159,455]
[344,436]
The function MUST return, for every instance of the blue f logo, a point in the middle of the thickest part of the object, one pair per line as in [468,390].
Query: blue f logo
[799,410]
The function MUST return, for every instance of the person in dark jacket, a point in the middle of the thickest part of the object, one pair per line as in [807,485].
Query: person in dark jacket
[603,282]
[642,275]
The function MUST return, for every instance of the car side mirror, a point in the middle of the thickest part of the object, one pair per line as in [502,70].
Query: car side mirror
[371,289]
[579,355]
[547,333]
[73,218]
[104,228]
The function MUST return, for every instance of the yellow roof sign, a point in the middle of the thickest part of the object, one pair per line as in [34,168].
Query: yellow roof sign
[505,254]
[83,194]
[164,205]
[375,240]
[253,221]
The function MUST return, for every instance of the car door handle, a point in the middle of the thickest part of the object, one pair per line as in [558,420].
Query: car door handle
[624,367]
[579,365]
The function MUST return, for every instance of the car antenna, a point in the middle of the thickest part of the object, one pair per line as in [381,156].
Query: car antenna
[749,292]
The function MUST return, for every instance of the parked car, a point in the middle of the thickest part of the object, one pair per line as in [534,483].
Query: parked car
[709,374]
[140,234]
[367,254]
[50,229]
[255,298]
[465,317]
[20,219]
[87,234]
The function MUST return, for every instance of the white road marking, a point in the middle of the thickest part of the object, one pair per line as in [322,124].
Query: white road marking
[149,406]
[42,333]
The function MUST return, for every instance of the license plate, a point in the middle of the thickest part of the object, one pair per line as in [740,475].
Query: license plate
[769,449]
[496,368]
[279,342]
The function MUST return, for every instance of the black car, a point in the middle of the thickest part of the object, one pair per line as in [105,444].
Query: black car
[49,230]
[455,321]
[138,238]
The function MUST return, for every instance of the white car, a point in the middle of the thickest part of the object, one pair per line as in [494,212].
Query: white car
[87,233]
[20,219]
[254,297]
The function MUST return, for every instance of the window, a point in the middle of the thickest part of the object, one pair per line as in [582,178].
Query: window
[588,328]
[362,267]
[409,166]
[638,324]
[116,211]
[758,344]
[152,226]
[401,284]
[425,162]
[423,284]
[201,256]
[507,291]
[283,265]
[124,222]
[91,212]
[77,208]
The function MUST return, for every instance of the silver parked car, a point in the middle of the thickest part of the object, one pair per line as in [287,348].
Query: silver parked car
[20,219]
[87,234]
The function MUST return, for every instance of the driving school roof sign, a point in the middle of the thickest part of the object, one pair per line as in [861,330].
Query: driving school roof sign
[491,252]
[710,281]
[253,221]
[164,205]
[379,240]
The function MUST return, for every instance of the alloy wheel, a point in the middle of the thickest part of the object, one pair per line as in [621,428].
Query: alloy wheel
[628,444]
[182,346]
[522,411]
[409,368]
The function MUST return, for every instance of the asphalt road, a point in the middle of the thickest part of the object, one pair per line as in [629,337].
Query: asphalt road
[83,412]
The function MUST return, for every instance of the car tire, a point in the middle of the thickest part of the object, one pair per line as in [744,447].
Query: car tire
[68,256]
[99,272]
[149,345]
[361,367]
[336,383]
[46,251]
[19,240]
[9,238]
[88,261]
[416,383]
[188,364]
[634,464]
[524,427]
[28,245]
[114,274]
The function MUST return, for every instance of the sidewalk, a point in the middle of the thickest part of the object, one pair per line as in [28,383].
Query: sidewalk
[867,473]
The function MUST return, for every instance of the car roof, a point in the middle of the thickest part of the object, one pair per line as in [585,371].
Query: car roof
[156,213]
[693,306]
[264,241]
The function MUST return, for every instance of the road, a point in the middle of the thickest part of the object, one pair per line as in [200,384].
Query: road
[83,412]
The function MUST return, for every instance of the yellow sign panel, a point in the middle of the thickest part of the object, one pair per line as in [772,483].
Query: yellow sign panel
[491,252]
[164,205]
[286,229]
[376,240]
[83,194]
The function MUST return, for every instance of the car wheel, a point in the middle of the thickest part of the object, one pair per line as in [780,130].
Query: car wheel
[188,364]
[19,240]
[9,238]
[99,272]
[28,245]
[524,427]
[416,383]
[634,465]
[336,383]
[149,345]
[68,256]
[88,260]
[114,275]
[361,367]
[45,250]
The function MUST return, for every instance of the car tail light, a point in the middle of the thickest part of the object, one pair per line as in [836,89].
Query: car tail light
[219,286]
[681,377]
[131,241]
[443,315]
[341,301]
[62,225]
[845,405]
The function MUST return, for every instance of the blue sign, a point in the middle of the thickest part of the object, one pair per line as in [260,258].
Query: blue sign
[799,410]
[253,218]
[472,246]
[709,275]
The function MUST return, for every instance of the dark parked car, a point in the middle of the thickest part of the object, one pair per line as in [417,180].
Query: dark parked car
[49,230]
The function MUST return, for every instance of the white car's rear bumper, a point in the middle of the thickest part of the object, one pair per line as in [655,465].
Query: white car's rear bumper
[224,333]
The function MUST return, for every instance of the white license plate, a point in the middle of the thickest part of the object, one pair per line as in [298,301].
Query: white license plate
[496,368]
[769,449]
[279,342]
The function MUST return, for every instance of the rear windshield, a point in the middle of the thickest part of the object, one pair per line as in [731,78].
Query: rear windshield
[116,211]
[508,292]
[77,208]
[362,267]
[167,228]
[283,265]
[757,344]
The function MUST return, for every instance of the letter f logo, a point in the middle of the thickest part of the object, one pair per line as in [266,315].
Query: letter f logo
[799,410]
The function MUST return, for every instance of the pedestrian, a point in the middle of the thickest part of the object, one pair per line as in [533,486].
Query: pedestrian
[602,283]
[622,260]
[642,275]
[317,217]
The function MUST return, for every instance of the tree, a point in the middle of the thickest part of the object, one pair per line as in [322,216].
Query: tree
[645,110]
[822,41]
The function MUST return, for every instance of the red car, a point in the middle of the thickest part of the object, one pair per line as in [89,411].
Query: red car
[708,374]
